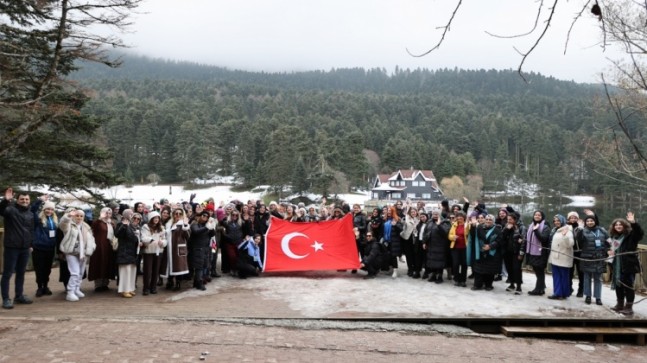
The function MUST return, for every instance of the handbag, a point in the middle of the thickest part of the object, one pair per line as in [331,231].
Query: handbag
[114,243]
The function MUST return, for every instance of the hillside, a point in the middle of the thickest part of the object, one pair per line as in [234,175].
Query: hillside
[181,120]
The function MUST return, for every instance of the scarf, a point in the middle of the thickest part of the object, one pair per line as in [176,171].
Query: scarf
[617,261]
[478,246]
[533,247]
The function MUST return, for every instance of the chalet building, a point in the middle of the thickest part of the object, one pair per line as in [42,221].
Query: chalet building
[402,184]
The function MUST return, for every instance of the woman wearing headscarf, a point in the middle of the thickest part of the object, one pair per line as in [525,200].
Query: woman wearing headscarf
[44,244]
[537,250]
[77,245]
[561,257]
[177,236]
[625,235]
[486,258]
[102,262]
[593,242]
[514,234]
[128,234]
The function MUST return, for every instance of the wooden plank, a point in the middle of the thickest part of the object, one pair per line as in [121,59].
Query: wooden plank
[571,330]
[599,332]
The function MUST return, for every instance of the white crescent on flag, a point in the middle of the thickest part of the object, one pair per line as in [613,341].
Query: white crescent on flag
[285,245]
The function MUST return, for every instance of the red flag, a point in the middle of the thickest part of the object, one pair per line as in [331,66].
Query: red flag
[295,246]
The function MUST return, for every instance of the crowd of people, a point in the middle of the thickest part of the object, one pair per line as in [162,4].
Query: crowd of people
[168,244]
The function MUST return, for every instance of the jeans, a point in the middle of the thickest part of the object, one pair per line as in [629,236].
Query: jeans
[597,284]
[15,260]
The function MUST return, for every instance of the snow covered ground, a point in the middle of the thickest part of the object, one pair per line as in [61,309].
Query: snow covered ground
[342,294]
[150,194]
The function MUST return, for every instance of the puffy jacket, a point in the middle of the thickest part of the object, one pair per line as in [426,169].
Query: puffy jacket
[18,224]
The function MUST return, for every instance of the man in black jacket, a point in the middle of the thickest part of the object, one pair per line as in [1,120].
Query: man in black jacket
[19,234]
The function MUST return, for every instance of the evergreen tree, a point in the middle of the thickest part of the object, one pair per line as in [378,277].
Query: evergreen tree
[45,136]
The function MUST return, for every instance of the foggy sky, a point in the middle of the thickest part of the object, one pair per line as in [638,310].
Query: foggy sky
[293,35]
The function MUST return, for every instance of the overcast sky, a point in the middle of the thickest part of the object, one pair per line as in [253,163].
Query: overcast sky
[295,35]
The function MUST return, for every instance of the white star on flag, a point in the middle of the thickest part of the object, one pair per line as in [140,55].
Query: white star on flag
[317,246]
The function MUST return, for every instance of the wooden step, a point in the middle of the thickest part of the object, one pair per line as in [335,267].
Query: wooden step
[599,332]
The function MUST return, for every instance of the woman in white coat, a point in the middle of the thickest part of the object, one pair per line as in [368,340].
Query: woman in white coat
[154,241]
[561,257]
[77,245]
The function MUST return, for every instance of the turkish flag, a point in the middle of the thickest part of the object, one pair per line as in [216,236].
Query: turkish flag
[299,246]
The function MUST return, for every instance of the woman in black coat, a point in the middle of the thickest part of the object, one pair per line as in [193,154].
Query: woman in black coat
[128,234]
[538,249]
[436,246]
[392,227]
[624,237]
[486,261]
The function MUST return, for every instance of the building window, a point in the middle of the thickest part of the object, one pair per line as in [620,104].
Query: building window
[376,196]
[401,183]
[411,195]
[396,196]
[421,183]
[414,183]
[426,195]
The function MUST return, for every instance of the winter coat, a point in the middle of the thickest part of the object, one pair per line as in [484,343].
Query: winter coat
[102,262]
[409,227]
[151,239]
[437,243]
[394,243]
[44,235]
[19,225]
[374,254]
[486,262]
[543,236]
[72,235]
[199,244]
[261,223]
[513,241]
[591,250]
[629,263]
[452,234]
[233,233]
[375,226]
[177,236]
[561,247]
[359,222]
[128,237]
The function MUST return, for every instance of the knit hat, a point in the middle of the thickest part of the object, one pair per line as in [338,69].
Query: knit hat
[573,213]
[49,205]
[153,214]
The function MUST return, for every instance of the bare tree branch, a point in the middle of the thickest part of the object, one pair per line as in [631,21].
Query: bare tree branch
[537,41]
[446,29]
[534,27]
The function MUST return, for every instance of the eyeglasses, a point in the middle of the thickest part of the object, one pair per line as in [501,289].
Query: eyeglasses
[369,235]
[136,219]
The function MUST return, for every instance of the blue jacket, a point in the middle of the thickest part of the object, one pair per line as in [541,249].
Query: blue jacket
[42,239]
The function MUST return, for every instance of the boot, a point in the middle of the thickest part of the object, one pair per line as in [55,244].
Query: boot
[178,285]
[169,284]
[628,310]
[619,306]
[199,285]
